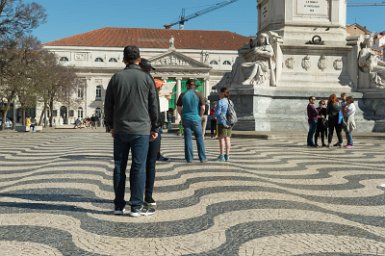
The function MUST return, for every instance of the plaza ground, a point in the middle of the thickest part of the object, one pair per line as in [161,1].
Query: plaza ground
[275,197]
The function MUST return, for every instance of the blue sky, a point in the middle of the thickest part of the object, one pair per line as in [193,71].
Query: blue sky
[71,17]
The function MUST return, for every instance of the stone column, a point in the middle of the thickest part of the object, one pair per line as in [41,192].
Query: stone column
[85,111]
[178,92]
[164,79]
[207,87]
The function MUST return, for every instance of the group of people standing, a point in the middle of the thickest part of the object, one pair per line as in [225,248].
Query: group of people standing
[191,107]
[132,115]
[333,115]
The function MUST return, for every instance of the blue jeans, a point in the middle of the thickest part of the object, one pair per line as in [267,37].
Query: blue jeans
[150,166]
[139,146]
[349,137]
[196,127]
[311,133]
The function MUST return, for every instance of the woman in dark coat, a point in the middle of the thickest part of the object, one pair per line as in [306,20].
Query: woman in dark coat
[334,119]
[321,124]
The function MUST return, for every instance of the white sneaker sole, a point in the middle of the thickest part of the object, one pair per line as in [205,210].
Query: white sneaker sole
[139,214]
[124,212]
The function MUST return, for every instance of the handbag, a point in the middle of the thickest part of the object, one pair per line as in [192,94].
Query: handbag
[340,117]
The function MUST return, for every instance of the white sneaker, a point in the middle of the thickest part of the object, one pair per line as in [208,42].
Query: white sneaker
[143,211]
[118,211]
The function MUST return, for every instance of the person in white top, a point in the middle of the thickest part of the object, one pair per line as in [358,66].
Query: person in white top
[349,111]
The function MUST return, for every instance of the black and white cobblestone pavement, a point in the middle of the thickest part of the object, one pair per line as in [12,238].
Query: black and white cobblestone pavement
[275,197]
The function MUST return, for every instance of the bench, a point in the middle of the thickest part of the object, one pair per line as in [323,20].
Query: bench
[38,128]
[22,128]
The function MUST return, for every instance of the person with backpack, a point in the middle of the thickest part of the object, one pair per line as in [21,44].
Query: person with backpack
[225,122]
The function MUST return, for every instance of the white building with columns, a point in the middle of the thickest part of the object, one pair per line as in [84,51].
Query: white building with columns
[177,56]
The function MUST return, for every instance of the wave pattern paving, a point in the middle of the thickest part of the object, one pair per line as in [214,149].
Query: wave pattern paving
[275,197]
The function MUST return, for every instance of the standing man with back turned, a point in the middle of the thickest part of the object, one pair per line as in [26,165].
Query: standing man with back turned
[131,113]
[191,106]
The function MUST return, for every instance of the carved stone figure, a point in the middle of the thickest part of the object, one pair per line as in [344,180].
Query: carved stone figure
[205,56]
[171,42]
[322,63]
[289,62]
[256,63]
[369,63]
[338,64]
[306,63]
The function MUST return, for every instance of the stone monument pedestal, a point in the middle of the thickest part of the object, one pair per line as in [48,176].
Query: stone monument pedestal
[373,106]
[284,110]
[302,50]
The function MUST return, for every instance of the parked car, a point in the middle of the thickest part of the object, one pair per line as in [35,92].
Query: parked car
[8,123]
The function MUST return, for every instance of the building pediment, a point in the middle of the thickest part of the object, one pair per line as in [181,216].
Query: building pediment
[176,60]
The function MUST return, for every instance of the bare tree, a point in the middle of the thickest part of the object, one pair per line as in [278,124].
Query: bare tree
[8,79]
[16,20]
[16,17]
[26,84]
[55,83]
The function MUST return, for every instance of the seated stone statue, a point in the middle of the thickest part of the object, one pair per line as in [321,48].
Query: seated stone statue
[255,65]
[258,64]
[369,63]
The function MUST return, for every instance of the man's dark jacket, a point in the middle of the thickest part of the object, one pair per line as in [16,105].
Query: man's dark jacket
[131,104]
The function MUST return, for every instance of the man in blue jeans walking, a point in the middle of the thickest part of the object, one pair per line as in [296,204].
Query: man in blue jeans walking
[131,113]
[191,106]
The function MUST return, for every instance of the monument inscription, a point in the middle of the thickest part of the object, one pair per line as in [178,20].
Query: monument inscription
[312,7]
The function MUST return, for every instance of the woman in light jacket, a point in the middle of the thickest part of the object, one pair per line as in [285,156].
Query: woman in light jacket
[224,131]
[349,111]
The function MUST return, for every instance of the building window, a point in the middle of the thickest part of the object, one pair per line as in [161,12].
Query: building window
[113,60]
[80,112]
[226,62]
[63,59]
[98,59]
[98,92]
[80,92]
[213,62]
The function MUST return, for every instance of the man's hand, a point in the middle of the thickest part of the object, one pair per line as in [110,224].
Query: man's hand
[153,136]
[112,131]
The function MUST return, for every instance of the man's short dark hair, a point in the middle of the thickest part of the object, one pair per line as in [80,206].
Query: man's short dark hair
[190,82]
[131,53]
[146,66]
